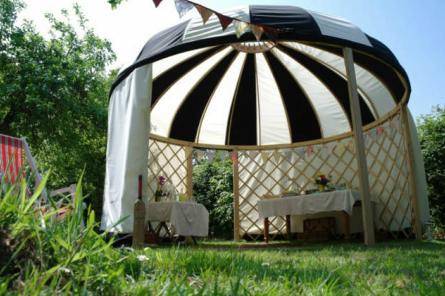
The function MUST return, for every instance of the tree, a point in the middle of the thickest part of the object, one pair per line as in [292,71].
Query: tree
[432,140]
[212,187]
[54,92]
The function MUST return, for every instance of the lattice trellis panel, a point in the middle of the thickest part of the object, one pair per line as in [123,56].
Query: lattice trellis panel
[275,171]
[167,160]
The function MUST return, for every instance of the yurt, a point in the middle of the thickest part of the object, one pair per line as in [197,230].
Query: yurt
[291,94]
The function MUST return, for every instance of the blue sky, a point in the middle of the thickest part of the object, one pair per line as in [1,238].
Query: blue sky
[414,30]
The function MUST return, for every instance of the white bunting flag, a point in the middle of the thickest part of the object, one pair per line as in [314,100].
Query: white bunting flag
[240,28]
[276,156]
[257,31]
[183,6]
[264,156]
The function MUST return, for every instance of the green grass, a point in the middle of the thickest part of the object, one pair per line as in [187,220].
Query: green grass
[40,255]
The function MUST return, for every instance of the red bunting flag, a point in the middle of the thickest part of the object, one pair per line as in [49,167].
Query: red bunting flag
[157,2]
[310,150]
[379,130]
[257,31]
[234,156]
[204,12]
[225,21]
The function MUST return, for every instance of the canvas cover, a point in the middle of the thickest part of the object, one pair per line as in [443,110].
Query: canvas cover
[201,86]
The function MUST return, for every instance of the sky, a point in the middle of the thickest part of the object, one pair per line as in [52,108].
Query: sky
[414,30]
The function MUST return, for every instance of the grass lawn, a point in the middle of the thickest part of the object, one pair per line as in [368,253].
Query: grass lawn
[225,268]
[41,254]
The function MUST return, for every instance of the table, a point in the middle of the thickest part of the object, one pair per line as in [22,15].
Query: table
[341,200]
[189,219]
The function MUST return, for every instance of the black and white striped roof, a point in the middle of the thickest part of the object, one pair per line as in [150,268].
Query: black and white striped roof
[209,87]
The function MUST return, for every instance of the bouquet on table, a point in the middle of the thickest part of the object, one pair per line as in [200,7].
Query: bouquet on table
[160,192]
[323,182]
[165,191]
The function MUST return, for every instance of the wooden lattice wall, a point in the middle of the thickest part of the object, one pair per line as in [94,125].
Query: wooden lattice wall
[276,170]
[171,161]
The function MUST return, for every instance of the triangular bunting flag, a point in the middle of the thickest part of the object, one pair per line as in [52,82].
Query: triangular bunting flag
[257,31]
[157,2]
[204,12]
[253,154]
[331,147]
[264,156]
[183,6]
[379,130]
[276,156]
[288,155]
[225,21]
[234,156]
[300,152]
[240,28]
[310,150]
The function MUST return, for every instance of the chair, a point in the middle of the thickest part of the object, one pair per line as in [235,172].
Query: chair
[13,152]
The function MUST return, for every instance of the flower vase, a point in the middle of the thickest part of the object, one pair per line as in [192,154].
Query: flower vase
[321,187]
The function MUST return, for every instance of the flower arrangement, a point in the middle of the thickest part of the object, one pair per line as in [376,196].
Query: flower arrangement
[322,181]
[161,180]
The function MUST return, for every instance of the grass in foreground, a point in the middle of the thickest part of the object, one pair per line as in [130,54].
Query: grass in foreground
[40,255]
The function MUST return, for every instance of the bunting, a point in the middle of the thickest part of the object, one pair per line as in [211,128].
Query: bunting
[300,152]
[264,156]
[234,156]
[257,31]
[157,2]
[276,156]
[379,130]
[310,150]
[204,12]
[183,6]
[225,21]
[241,27]
[253,154]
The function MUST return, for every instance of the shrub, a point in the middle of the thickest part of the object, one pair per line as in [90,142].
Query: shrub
[213,186]
[432,141]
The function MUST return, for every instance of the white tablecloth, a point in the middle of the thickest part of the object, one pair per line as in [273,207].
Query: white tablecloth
[341,200]
[188,218]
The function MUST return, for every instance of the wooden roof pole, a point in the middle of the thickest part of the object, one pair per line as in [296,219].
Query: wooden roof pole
[368,219]
[236,219]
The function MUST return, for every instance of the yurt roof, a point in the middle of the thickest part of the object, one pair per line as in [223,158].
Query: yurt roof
[212,88]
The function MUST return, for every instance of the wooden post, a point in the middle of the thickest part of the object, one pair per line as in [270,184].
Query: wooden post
[412,177]
[236,220]
[368,219]
[189,172]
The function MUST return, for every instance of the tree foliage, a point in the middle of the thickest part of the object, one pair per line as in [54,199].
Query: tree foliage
[212,186]
[432,140]
[54,92]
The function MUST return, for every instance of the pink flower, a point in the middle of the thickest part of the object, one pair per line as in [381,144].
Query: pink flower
[162,180]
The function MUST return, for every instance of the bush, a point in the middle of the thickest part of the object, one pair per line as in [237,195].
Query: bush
[432,141]
[213,186]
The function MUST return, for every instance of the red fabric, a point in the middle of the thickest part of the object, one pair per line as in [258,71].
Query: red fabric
[157,2]
[225,21]
[11,158]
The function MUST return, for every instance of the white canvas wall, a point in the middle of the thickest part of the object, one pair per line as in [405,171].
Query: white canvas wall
[127,149]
